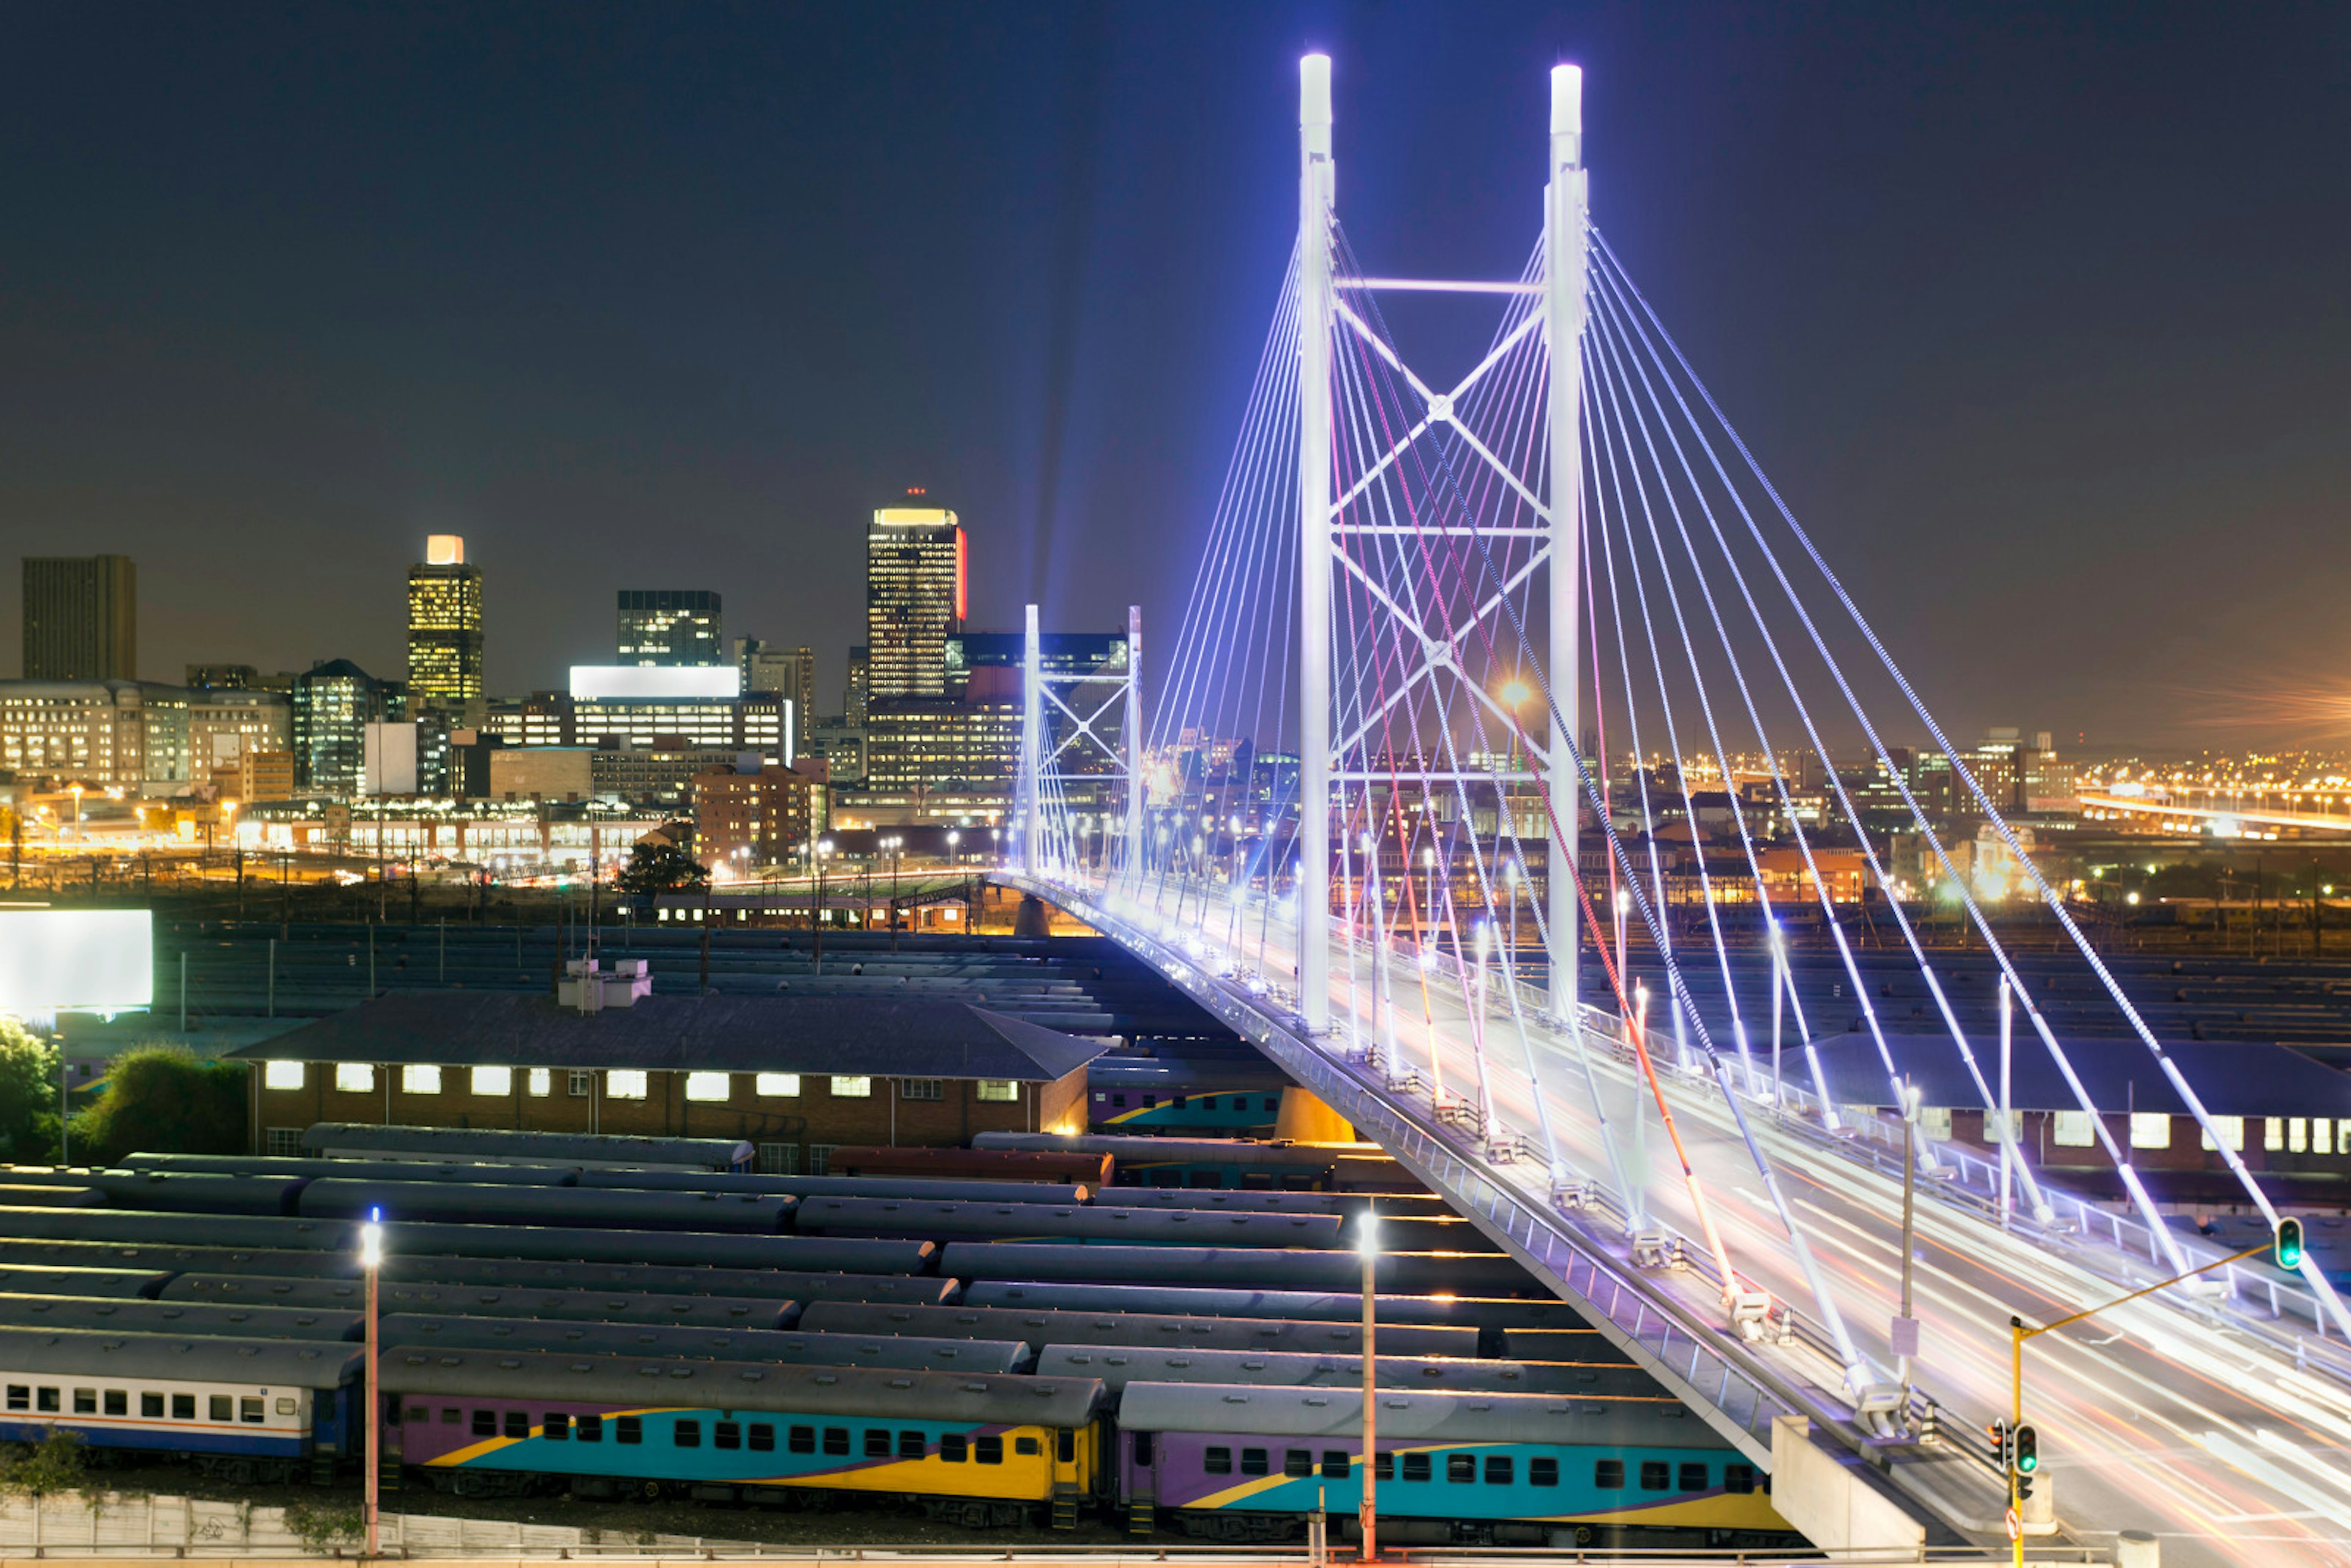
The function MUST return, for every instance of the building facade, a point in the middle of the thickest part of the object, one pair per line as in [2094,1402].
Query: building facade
[444,631]
[334,702]
[81,618]
[747,819]
[787,673]
[225,722]
[265,776]
[915,598]
[755,723]
[75,732]
[670,626]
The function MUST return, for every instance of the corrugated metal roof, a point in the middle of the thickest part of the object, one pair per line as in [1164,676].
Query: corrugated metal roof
[883,1037]
[2121,1076]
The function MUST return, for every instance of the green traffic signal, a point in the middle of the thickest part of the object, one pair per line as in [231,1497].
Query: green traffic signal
[2289,1243]
[2026,1445]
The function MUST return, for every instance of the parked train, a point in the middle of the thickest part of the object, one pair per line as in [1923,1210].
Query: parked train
[1230,1097]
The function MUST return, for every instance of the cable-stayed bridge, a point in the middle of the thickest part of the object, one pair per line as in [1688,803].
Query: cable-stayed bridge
[1463,792]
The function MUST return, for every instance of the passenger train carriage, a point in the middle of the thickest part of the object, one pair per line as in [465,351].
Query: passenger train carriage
[975,1449]
[247,1410]
[1241,1462]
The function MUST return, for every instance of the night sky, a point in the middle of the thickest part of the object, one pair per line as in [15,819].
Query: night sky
[2039,320]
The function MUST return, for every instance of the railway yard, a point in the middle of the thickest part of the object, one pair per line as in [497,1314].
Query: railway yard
[1106,1338]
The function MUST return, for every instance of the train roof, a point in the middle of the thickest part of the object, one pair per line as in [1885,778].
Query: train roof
[972,1190]
[1412,1417]
[1040,1329]
[90,1352]
[1208,1300]
[44,1278]
[1157,1071]
[903,1351]
[490,1300]
[1180,1227]
[459,1144]
[641,1382]
[238,1322]
[1118,1365]
[497,1171]
[1147,1151]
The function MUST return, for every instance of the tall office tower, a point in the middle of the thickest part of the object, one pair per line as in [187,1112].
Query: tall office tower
[856,687]
[334,702]
[915,566]
[670,626]
[444,631]
[81,618]
[786,672]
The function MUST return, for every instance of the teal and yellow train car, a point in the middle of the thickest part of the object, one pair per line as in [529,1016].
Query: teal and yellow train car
[978,1450]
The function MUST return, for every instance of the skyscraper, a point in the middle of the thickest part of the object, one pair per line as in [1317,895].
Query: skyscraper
[915,567]
[787,671]
[444,631]
[81,618]
[670,626]
[334,702]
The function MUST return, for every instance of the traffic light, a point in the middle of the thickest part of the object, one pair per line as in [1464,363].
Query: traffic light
[2024,1445]
[2289,1243]
[1997,1434]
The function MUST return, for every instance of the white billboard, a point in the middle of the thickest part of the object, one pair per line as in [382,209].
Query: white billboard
[388,758]
[76,960]
[690,682]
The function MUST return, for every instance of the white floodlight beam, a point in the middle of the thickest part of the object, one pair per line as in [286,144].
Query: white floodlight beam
[1314,314]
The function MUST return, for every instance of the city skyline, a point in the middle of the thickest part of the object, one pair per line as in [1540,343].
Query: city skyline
[1070,384]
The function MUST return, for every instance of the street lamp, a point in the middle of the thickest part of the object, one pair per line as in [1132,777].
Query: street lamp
[371,1260]
[1367,1244]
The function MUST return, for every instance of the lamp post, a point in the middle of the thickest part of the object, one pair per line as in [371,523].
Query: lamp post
[371,1260]
[1367,1243]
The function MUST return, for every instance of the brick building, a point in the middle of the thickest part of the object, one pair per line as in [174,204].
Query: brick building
[794,1076]
[752,817]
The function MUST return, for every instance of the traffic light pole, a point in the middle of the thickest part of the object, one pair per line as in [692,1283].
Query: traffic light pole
[2018,1333]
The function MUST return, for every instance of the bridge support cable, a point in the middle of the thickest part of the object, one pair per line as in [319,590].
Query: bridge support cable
[2321,1288]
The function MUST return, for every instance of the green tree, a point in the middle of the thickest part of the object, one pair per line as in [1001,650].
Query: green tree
[662,868]
[44,1469]
[28,1096]
[160,1098]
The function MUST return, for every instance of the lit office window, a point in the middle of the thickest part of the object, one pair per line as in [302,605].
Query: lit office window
[542,1081]
[2297,1135]
[2150,1130]
[355,1077]
[2071,1130]
[420,1078]
[998,1089]
[492,1083]
[2231,1130]
[624,1083]
[707,1086]
[778,1085]
[282,1075]
[2322,1136]
[852,1088]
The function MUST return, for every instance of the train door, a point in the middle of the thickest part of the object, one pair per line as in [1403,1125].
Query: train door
[1068,1477]
[1137,1480]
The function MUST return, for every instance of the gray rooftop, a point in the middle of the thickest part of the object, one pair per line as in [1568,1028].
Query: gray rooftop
[885,1038]
[2232,1078]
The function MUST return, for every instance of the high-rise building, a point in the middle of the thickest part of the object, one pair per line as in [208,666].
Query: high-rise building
[81,618]
[670,626]
[334,702]
[444,631]
[915,598]
[787,671]
[855,687]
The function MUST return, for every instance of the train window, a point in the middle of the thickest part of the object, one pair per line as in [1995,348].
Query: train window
[726,1435]
[151,1406]
[836,1439]
[1738,1477]
[1383,1467]
[85,1401]
[1150,1101]
[1542,1472]
[1217,1462]
[20,1396]
[449,1415]
[1099,1097]
[1460,1468]
[989,1450]
[1337,1464]
[1298,1461]
[1415,1467]
[517,1423]
[763,1437]
[417,1415]
[685,1433]
[223,1407]
[877,1442]
[1656,1476]
[1207,1101]
[1118,1102]
[1256,1461]
[486,1423]
[803,1439]
[46,1399]
[626,1430]
[1608,1475]
[184,1407]
[1693,1477]
[556,1428]
[118,1403]
[952,1447]
[1029,1447]
[1498,1470]
[1143,1451]
[912,1445]
[1181,1101]
[1065,1447]
[255,1410]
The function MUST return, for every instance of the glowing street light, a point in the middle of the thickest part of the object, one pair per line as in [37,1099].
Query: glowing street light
[1367,1245]
[371,1260]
